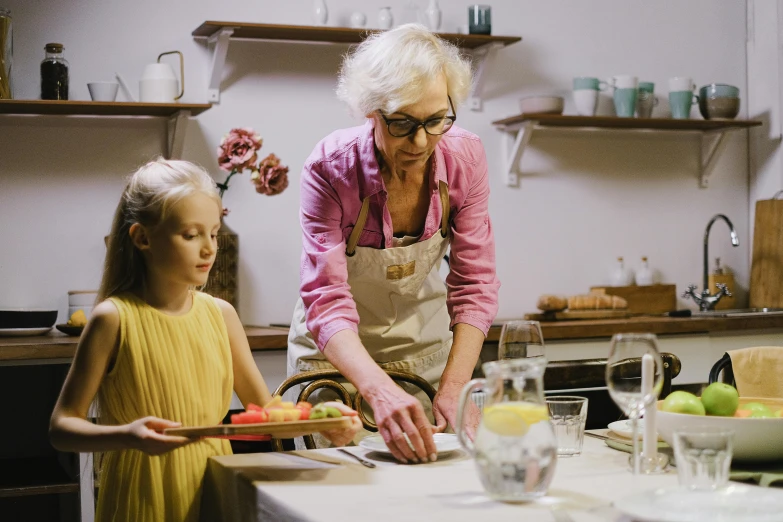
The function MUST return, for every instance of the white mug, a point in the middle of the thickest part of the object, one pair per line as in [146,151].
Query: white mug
[680,83]
[586,101]
[623,81]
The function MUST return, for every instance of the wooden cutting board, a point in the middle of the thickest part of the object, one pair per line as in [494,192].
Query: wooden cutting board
[644,299]
[279,430]
[766,274]
[578,314]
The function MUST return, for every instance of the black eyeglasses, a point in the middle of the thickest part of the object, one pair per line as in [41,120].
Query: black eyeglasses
[402,127]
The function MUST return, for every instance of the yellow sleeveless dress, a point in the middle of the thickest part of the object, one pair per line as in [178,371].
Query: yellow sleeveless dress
[173,367]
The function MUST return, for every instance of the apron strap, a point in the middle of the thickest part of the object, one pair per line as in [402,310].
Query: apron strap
[444,204]
[353,239]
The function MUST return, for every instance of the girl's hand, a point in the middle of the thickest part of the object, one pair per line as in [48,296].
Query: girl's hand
[144,435]
[343,436]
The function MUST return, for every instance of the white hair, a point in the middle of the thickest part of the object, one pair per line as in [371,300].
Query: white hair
[391,69]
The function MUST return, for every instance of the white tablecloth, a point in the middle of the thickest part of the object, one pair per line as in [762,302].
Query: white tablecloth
[287,487]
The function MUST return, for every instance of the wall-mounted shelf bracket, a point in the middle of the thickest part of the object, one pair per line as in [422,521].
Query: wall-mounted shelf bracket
[483,57]
[711,145]
[516,139]
[177,125]
[219,42]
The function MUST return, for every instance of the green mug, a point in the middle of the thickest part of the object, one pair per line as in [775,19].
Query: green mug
[680,103]
[625,102]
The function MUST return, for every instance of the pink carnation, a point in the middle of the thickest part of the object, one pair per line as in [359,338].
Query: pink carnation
[238,149]
[271,178]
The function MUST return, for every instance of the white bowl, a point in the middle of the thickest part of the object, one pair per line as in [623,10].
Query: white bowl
[542,104]
[754,439]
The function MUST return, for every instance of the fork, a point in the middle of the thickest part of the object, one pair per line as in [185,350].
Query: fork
[365,463]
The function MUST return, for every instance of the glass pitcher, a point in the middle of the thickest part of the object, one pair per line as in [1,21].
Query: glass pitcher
[514,447]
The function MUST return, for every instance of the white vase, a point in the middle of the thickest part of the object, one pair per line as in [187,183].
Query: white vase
[358,19]
[385,19]
[320,13]
[433,15]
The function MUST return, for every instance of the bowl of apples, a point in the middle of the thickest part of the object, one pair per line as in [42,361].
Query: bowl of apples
[756,421]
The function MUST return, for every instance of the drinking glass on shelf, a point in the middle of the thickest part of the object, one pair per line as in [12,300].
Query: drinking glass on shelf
[521,339]
[624,381]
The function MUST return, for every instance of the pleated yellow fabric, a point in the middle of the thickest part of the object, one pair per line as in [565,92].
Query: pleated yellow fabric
[173,367]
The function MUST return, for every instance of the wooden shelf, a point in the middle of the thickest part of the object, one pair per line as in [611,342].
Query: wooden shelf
[482,47]
[339,35]
[520,128]
[34,476]
[91,108]
[614,122]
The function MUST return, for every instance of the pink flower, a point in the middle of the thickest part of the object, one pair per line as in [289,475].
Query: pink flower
[271,178]
[238,148]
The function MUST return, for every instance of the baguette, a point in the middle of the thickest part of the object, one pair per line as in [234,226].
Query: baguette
[552,303]
[596,302]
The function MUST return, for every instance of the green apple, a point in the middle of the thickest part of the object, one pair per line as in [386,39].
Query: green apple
[779,413]
[683,402]
[758,410]
[720,399]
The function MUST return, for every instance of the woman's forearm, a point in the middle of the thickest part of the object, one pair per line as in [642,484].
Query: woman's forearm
[347,353]
[80,435]
[465,351]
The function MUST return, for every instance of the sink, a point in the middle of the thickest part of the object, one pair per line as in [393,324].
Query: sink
[740,312]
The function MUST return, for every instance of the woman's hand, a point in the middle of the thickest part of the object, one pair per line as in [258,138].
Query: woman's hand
[343,436]
[445,404]
[144,435]
[397,413]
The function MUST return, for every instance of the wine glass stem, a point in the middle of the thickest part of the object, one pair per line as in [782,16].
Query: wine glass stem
[635,433]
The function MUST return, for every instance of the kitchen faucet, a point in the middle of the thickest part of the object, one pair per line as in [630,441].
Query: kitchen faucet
[705,300]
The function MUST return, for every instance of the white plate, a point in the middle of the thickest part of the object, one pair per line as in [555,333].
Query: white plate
[623,428]
[23,332]
[735,503]
[444,442]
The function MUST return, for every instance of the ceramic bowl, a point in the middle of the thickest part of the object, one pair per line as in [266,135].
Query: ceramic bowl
[719,90]
[27,318]
[719,108]
[542,105]
[755,440]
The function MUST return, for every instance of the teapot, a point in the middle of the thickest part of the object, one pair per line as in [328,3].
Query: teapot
[514,448]
[158,83]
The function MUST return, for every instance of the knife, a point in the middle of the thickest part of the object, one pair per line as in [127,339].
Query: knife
[365,463]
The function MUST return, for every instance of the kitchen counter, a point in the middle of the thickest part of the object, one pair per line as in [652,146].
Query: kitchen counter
[56,345]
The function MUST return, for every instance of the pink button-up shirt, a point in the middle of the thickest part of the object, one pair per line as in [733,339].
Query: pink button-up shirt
[339,174]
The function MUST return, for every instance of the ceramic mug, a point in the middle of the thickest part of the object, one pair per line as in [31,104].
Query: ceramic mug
[646,100]
[680,103]
[586,94]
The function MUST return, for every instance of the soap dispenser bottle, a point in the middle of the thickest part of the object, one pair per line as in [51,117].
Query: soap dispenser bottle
[644,276]
[721,274]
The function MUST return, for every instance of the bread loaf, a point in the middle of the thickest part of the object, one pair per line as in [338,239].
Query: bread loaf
[552,303]
[597,302]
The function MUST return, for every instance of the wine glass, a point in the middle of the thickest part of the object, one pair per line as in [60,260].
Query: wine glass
[520,339]
[624,381]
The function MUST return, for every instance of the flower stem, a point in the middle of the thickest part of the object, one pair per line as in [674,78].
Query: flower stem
[224,186]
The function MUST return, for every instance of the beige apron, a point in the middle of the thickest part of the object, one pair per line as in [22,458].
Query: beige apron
[401,300]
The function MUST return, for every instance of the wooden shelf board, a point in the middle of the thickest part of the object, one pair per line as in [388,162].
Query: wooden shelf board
[341,35]
[21,477]
[91,108]
[614,122]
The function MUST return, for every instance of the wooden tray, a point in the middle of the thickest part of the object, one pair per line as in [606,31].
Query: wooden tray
[578,314]
[279,430]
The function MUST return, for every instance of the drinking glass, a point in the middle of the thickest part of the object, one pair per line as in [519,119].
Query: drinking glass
[624,381]
[521,339]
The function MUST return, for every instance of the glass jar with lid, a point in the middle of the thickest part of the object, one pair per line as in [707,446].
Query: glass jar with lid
[6,54]
[54,73]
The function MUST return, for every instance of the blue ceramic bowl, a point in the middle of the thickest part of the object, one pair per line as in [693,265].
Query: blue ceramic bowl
[719,90]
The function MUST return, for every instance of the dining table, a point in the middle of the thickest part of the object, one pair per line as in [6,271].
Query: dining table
[326,485]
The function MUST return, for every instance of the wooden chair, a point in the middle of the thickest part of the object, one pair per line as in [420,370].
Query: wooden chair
[333,380]
[723,365]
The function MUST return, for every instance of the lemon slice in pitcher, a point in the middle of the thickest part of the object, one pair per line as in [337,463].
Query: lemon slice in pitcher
[513,419]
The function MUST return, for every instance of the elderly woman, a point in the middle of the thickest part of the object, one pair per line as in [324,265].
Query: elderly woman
[380,205]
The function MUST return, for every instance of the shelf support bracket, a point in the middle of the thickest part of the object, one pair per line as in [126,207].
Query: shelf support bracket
[86,487]
[177,125]
[483,55]
[711,144]
[514,144]
[219,41]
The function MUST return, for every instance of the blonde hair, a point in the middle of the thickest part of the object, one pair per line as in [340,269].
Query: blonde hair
[391,69]
[147,199]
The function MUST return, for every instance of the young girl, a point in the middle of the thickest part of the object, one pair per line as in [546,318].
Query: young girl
[158,354]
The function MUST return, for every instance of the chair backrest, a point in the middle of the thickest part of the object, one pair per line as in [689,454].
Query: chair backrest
[334,380]
[722,365]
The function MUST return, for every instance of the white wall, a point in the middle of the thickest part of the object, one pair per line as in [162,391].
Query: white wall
[587,196]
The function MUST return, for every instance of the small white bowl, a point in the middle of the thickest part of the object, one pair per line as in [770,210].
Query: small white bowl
[759,440]
[542,105]
[103,91]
